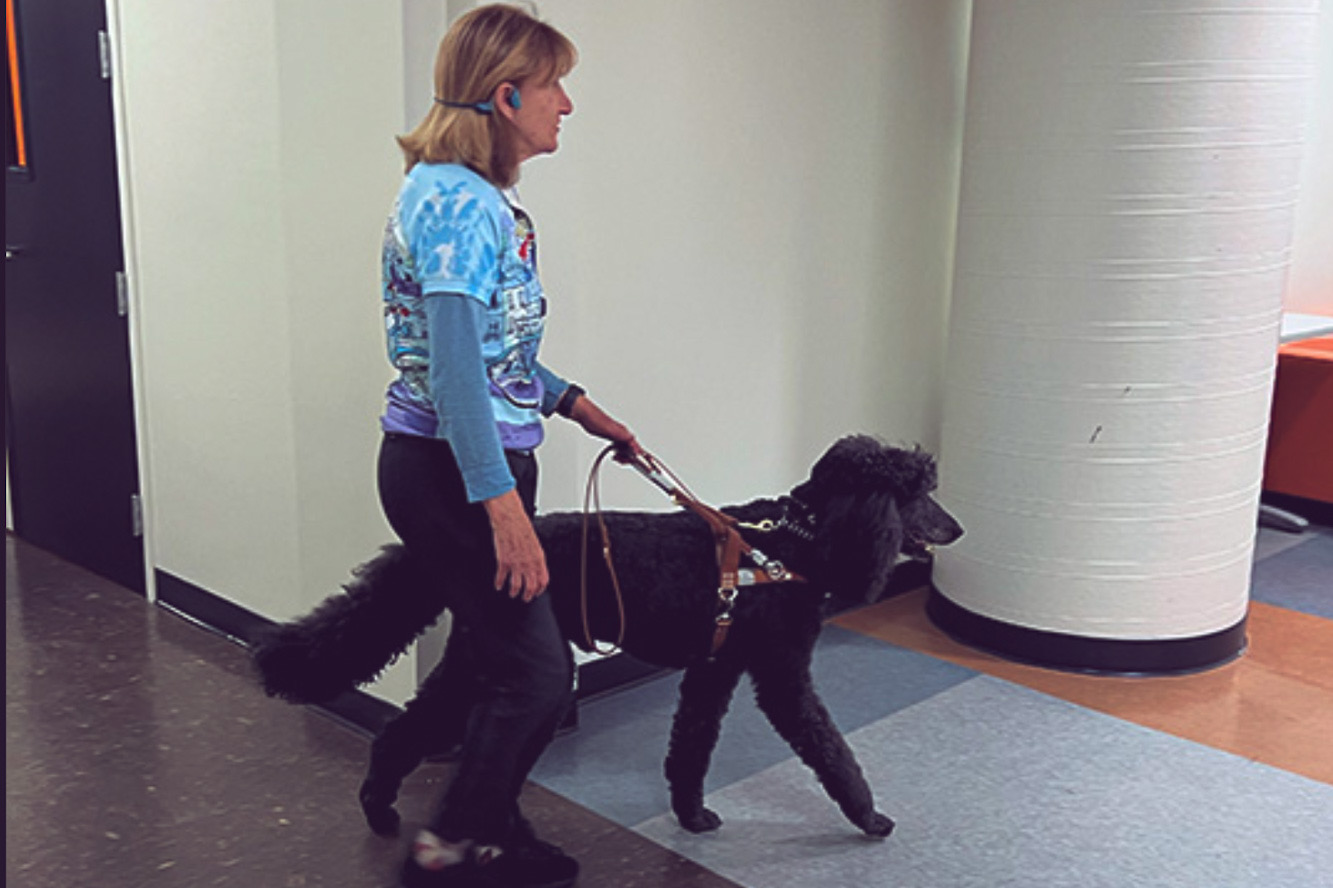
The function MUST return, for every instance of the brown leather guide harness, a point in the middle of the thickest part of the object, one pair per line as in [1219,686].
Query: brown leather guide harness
[731,548]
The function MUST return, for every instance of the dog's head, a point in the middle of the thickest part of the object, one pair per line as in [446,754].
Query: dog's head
[866,504]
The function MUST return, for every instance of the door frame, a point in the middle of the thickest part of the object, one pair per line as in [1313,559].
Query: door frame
[130,263]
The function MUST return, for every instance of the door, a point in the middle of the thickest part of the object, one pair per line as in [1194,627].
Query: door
[69,410]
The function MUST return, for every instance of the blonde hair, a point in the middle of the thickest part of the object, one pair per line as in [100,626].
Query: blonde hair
[485,48]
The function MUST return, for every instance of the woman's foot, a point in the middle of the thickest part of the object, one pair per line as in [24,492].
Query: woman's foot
[530,863]
[435,862]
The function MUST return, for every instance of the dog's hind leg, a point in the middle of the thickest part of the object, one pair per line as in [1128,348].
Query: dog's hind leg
[786,694]
[705,694]
[433,721]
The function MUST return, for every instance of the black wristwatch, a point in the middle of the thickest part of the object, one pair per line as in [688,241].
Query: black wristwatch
[565,406]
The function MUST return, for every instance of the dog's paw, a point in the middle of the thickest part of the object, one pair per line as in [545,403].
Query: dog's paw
[699,821]
[380,815]
[877,826]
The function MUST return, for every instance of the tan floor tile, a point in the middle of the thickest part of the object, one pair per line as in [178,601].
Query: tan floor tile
[1274,704]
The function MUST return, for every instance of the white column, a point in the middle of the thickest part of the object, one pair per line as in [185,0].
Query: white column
[1129,178]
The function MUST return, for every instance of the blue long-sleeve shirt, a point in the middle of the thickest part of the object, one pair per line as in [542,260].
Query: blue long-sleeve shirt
[465,313]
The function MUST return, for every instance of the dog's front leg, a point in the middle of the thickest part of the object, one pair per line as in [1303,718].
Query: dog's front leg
[705,694]
[786,694]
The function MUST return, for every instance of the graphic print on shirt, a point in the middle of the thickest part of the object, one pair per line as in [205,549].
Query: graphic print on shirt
[518,324]
[404,318]
[453,232]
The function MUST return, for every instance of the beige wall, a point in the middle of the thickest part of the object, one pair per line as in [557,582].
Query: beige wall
[747,231]
[258,164]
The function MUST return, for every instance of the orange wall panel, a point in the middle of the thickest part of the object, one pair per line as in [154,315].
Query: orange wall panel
[1300,439]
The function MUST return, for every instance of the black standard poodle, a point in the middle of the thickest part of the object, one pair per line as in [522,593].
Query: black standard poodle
[837,536]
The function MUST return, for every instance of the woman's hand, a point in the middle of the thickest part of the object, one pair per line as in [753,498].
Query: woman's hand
[597,422]
[520,560]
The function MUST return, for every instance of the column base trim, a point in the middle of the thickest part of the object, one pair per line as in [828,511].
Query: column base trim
[1075,653]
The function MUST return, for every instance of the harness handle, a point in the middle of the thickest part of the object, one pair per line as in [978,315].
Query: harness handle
[731,547]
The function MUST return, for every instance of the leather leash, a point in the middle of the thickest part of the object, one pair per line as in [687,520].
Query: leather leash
[729,543]
[592,496]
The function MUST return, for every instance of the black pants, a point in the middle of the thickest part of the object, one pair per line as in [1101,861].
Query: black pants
[522,667]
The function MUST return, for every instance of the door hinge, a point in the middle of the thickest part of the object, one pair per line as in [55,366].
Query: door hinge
[104,53]
[136,515]
[122,295]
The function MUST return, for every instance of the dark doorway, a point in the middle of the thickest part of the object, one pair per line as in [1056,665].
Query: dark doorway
[69,401]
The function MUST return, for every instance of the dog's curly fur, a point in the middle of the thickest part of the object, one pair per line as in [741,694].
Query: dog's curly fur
[843,530]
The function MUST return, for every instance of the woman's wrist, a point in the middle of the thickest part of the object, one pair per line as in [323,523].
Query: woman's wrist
[565,405]
[503,507]
[597,422]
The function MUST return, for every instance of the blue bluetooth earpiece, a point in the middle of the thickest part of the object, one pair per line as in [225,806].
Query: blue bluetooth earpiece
[515,101]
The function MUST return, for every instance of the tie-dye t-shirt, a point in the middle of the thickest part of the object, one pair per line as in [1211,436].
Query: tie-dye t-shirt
[451,231]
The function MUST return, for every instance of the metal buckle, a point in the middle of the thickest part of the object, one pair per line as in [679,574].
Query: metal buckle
[775,569]
[728,599]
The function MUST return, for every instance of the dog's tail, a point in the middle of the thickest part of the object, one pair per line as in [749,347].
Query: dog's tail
[350,637]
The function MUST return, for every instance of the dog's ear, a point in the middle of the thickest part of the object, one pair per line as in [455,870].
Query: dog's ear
[858,463]
[858,540]
[910,473]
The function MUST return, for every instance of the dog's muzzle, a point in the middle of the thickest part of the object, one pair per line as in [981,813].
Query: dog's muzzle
[918,550]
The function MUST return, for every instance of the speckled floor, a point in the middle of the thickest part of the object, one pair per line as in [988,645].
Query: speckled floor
[140,753]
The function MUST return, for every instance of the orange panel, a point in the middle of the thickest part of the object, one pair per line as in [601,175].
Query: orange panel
[1300,438]
[15,94]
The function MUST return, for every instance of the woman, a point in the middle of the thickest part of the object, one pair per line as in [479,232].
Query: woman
[457,476]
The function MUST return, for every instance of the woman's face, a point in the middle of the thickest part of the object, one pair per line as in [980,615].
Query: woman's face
[537,122]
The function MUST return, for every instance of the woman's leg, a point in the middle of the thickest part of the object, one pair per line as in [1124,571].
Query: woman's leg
[524,671]
[433,721]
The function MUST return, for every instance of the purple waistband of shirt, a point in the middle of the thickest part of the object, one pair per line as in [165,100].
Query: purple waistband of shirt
[406,417]
[520,437]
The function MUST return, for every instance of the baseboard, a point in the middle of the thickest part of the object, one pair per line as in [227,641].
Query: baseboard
[1103,656]
[1314,511]
[208,610]
[614,673]
[364,713]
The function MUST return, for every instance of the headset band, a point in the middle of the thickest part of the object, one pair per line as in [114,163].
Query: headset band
[479,107]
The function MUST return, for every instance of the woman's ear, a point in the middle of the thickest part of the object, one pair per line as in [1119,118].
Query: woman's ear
[506,100]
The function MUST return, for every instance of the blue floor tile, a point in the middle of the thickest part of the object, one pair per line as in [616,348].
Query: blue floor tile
[613,762]
[995,785]
[1299,577]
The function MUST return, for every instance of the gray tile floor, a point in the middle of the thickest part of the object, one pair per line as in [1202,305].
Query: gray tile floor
[992,783]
